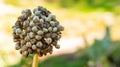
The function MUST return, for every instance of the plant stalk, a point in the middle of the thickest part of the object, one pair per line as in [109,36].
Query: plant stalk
[35,61]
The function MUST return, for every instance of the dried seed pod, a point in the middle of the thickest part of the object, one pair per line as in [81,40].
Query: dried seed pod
[52,16]
[38,37]
[40,32]
[51,51]
[41,21]
[28,44]
[28,29]
[27,38]
[32,24]
[34,29]
[30,51]
[48,40]
[36,33]
[52,23]
[33,41]
[39,44]
[22,42]
[23,33]
[50,29]
[38,50]
[34,47]
[16,40]
[36,19]
[57,46]
[25,23]
[17,46]
[22,18]
[45,30]
[54,29]
[31,35]
[47,35]
[25,53]
[48,19]
[60,28]
[53,35]
[37,13]
[24,48]
[18,31]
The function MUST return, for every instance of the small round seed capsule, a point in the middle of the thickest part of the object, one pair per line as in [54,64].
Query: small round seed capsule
[60,28]
[52,16]
[48,40]
[15,40]
[55,29]
[39,44]
[31,35]
[23,33]
[47,35]
[34,29]
[28,44]
[33,41]
[17,46]
[25,53]
[23,48]
[34,47]
[36,19]
[30,50]
[48,19]
[14,29]
[40,32]
[22,42]
[38,50]
[53,35]
[57,46]
[27,38]
[45,30]
[37,13]
[51,51]
[26,23]
[41,21]
[32,24]
[50,29]
[18,31]
[52,23]
[38,37]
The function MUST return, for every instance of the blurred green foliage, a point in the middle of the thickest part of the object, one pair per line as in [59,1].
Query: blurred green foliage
[103,52]
[93,4]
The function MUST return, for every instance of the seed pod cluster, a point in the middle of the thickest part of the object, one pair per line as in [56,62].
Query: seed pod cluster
[36,32]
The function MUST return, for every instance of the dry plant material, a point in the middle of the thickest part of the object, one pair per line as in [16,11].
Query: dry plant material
[37,32]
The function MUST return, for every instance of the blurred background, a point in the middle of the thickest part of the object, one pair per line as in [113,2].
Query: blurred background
[91,37]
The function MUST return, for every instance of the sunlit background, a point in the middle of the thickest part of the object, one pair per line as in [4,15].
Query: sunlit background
[91,37]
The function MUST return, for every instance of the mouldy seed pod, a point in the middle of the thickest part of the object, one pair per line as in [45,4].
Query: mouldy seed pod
[37,32]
